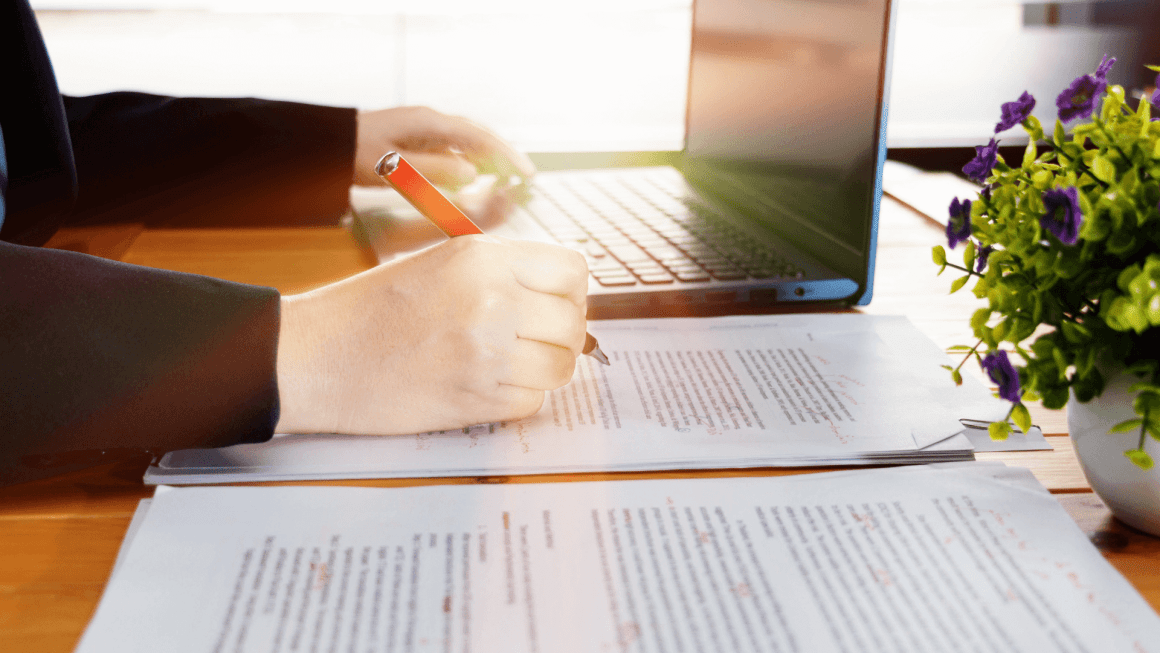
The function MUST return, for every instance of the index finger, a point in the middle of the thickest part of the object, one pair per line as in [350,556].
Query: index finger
[481,146]
[550,269]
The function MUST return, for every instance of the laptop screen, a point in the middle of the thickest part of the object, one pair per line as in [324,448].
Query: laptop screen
[784,116]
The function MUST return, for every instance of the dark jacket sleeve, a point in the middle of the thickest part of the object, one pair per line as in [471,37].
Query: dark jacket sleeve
[100,355]
[209,161]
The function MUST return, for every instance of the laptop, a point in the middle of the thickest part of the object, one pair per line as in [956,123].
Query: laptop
[774,198]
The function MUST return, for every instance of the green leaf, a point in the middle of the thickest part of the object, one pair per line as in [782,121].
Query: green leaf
[1075,333]
[1155,69]
[1125,277]
[959,283]
[1034,128]
[999,430]
[1042,179]
[1021,417]
[969,255]
[1103,169]
[1143,386]
[1127,426]
[1001,329]
[1055,398]
[1067,266]
[1029,154]
[1059,136]
[957,376]
[1140,458]
[979,318]
[939,255]
[1057,356]
[1147,403]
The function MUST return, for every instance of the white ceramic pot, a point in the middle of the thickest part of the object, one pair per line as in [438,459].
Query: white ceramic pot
[1132,494]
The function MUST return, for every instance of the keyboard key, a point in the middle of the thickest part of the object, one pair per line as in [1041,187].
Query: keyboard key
[714,261]
[617,281]
[629,253]
[728,274]
[615,242]
[699,248]
[692,275]
[618,271]
[679,261]
[656,278]
[663,250]
[605,265]
[646,268]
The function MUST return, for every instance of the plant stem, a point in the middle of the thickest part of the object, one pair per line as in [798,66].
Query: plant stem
[1078,160]
[969,354]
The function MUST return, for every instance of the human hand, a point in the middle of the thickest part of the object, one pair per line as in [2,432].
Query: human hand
[448,150]
[472,330]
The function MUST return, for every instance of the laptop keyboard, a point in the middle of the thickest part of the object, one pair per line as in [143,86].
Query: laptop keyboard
[637,228]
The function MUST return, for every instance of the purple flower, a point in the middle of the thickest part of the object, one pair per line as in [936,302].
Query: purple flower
[1003,373]
[1079,99]
[959,224]
[1063,217]
[984,254]
[1015,112]
[979,168]
[1106,64]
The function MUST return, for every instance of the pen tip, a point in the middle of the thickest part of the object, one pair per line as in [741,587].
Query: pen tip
[599,355]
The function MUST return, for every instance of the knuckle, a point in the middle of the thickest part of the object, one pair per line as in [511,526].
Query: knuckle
[526,404]
[533,403]
[564,367]
[574,263]
[578,334]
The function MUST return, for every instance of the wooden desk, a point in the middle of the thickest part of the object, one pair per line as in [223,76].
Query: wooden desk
[59,537]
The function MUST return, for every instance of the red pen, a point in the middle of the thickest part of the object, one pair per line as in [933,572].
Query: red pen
[427,199]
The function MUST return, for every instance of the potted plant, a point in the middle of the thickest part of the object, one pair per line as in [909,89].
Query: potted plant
[1065,249]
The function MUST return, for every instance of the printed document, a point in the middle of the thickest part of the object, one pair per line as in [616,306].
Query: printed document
[680,393]
[966,557]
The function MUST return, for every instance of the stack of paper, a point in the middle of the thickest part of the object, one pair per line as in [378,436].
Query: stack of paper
[967,557]
[681,393]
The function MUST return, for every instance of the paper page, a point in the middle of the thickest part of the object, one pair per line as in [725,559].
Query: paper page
[968,558]
[134,525]
[765,390]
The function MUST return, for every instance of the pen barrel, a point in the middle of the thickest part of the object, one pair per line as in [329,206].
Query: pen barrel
[415,188]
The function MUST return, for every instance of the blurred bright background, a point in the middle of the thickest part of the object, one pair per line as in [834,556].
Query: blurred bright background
[585,75]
